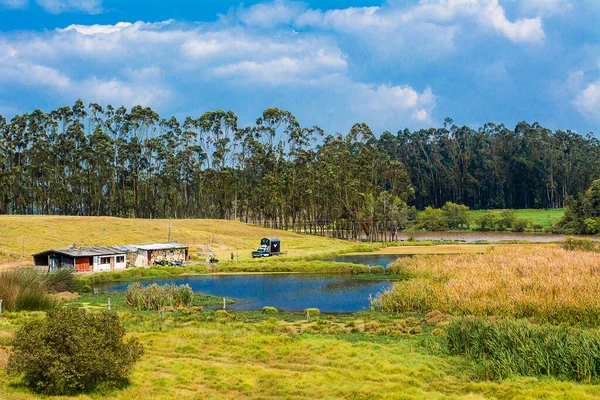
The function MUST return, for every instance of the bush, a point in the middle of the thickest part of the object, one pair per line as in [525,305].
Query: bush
[312,311]
[270,310]
[72,350]
[431,220]
[377,269]
[511,347]
[519,225]
[158,297]
[457,215]
[486,221]
[592,226]
[506,219]
[572,243]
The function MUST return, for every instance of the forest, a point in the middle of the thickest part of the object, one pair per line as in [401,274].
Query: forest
[95,160]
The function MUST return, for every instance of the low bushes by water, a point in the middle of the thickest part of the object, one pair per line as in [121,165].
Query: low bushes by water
[28,289]
[517,347]
[572,243]
[158,297]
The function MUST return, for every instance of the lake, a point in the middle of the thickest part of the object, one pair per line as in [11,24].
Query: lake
[370,260]
[289,292]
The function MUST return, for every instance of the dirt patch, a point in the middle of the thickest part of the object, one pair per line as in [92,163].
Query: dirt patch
[4,354]
[64,296]
[436,317]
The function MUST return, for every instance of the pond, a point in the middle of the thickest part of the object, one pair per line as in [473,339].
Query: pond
[289,292]
[370,260]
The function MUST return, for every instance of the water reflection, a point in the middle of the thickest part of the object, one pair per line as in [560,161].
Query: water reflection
[371,259]
[288,292]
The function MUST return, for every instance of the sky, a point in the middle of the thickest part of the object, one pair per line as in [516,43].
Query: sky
[392,64]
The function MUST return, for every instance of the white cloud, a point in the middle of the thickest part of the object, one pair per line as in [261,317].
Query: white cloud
[14,4]
[186,66]
[270,14]
[546,7]
[61,6]
[441,13]
[97,29]
[396,102]
[587,100]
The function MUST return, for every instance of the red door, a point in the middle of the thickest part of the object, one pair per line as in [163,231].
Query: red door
[82,264]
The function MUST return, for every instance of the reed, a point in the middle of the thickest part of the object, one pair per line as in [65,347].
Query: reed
[158,297]
[548,284]
[28,289]
[517,347]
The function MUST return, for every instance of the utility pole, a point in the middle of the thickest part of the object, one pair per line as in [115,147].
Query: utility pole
[102,237]
[169,240]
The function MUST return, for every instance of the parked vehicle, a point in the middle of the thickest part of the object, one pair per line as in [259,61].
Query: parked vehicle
[268,247]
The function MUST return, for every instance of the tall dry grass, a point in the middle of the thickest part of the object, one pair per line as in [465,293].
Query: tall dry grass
[28,289]
[549,284]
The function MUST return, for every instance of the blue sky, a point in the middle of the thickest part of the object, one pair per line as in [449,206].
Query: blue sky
[395,64]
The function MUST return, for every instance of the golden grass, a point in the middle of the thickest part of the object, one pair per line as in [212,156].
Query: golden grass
[544,282]
[31,234]
[437,249]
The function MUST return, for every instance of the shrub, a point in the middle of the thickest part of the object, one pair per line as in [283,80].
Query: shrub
[519,225]
[457,215]
[72,350]
[158,297]
[313,311]
[511,347]
[506,219]
[377,269]
[572,243]
[270,310]
[592,226]
[486,221]
[431,219]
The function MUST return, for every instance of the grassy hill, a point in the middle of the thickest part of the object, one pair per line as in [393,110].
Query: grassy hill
[31,234]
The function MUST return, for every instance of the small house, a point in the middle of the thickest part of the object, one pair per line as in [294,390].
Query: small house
[83,259]
[146,255]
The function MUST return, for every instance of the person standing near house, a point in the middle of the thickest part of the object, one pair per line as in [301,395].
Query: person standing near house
[232,256]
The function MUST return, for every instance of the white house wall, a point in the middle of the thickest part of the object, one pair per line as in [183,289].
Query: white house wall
[106,266]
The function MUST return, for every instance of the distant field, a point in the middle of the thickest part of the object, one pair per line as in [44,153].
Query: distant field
[542,218]
[31,234]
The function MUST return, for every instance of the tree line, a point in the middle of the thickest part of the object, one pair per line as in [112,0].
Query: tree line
[95,160]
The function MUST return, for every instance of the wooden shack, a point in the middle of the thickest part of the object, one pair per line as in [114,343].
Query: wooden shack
[146,255]
[83,259]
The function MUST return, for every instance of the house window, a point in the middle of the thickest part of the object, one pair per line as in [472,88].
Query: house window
[104,260]
[120,259]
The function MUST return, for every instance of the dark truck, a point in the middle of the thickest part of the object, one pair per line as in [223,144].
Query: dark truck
[268,247]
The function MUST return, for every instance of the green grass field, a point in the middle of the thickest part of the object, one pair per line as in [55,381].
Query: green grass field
[245,355]
[541,218]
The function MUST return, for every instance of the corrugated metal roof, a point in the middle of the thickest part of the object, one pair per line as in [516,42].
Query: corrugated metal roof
[159,246]
[86,251]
